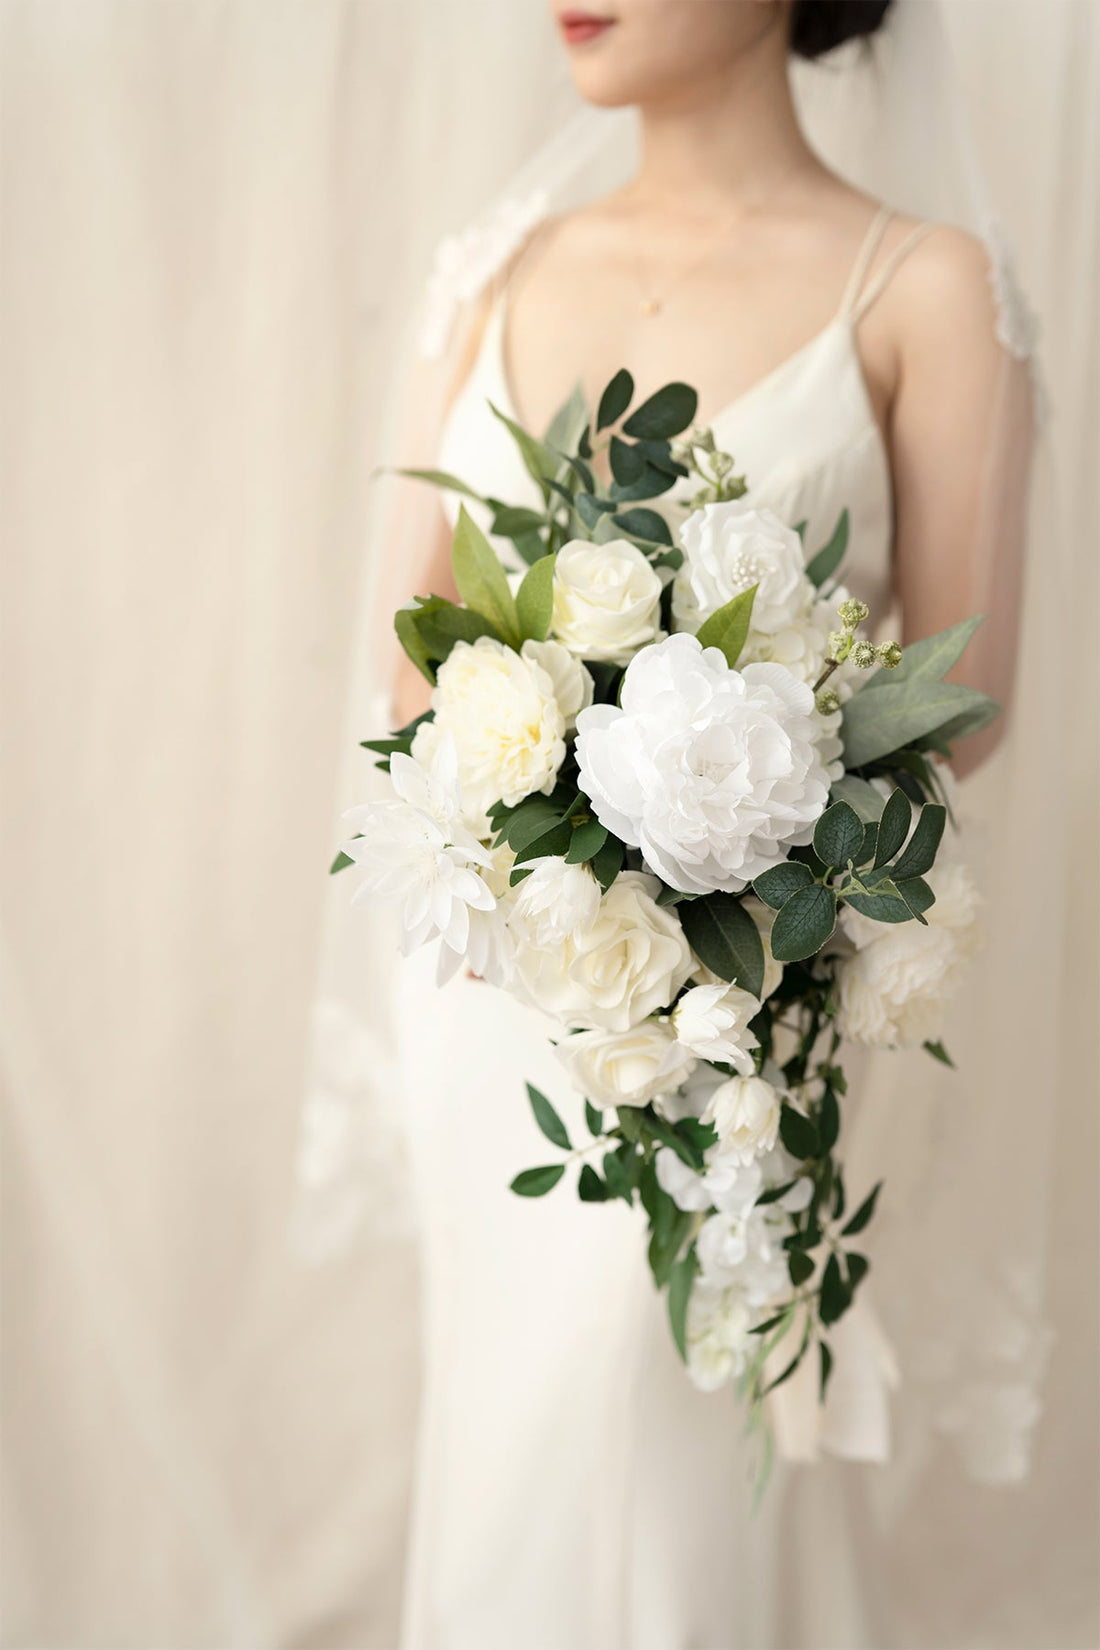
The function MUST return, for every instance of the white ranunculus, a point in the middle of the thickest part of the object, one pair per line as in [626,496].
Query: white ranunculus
[713,773]
[717,1337]
[556,900]
[894,990]
[745,1111]
[628,964]
[625,1068]
[728,548]
[502,712]
[713,1022]
[573,686]
[607,600]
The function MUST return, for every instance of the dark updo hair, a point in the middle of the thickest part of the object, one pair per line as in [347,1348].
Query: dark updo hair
[819,25]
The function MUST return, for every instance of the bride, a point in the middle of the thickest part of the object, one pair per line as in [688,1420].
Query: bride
[573,1491]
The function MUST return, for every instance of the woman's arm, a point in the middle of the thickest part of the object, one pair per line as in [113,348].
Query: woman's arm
[960,435]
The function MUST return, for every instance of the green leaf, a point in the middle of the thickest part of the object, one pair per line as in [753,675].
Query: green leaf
[441,478]
[535,600]
[938,1052]
[670,1228]
[540,463]
[440,624]
[920,850]
[800,1266]
[680,1280]
[774,1193]
[594,1119]
[619,1183]
[875,724]
[776,886]
[728,629]
[893,827]
[799,1134]
[557,840]
[863,1214]
[404,623]
[859,794]
[858,1268]
[608,862]
[826,1370]
[547,1118]
[828,1120]
[836,1297]
[591,509]
[665,414]
[644,524]
[480,578]
[341,863]
[513,521]
[804,924]
[825,563]
[615,399]
[725,938]
[568,424]
[880,907]
[586,842]
[929,660]
[628,465]
[792,1366]
[917,895]
[869,846]
[590,1188]
[838,835]
[537,1182]
[531,818]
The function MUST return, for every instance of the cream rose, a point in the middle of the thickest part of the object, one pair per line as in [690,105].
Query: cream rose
[728,548]
[712,1022]
[630,963]
[504,717]
[745,1112]
[626,1068]
[894,991]
[607,600]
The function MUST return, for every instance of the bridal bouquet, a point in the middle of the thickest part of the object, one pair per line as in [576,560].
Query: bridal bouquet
[670,794]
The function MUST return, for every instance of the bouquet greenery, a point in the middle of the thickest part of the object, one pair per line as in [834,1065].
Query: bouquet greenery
[670,793]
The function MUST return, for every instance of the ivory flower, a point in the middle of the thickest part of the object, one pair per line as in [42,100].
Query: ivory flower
[556,901]
[745,1111]
[712,1022]
[729,547]
[607,600]
[626,1068]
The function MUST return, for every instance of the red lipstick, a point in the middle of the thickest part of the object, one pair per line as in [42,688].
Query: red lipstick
[578,27]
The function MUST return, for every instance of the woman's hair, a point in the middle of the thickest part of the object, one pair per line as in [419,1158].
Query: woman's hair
[819,25]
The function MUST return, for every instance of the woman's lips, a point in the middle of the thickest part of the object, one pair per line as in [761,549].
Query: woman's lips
[578,27]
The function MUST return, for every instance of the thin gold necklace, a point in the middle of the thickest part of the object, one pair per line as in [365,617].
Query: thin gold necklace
[652,302]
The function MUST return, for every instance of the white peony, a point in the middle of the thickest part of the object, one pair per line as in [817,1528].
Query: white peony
[712,1021]
[626,1068]
[894,990]
[502,712]
[573,686]
[745,1112]
[414,849]
[556,901]
[728,548]
[607,600]
[717,1337]
[630,963]
[713,773]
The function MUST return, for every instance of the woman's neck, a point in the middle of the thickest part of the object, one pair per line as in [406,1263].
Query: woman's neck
[733,139]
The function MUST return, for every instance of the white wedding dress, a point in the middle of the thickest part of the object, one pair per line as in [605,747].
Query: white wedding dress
[573,1491]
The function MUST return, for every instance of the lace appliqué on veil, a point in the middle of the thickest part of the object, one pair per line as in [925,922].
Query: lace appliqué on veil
[465,264]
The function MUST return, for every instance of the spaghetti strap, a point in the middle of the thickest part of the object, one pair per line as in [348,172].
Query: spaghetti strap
[876,287]
[864,258]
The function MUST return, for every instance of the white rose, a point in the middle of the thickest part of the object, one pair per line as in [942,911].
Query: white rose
[713,773]
[745,1111]
[625,1068]
[630,963]
[893,992]
[556,900]
[713,1022]
[573,684]
[728,548]
[607,600]
[503,714]
[717,1337]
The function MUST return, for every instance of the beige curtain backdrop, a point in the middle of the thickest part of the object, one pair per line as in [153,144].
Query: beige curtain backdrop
[213,215]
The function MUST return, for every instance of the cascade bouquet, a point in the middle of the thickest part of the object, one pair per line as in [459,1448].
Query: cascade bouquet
[670,794]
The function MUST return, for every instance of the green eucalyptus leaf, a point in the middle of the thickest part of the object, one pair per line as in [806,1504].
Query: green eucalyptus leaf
[803,924]
[644,524]
[825,563]
[725,938]
[628,465]
[547,1118]
[541,464]
[480,579]
[920,850]
[776,886]
[917,895]
[859,794]
[876,724]
[883,907]
[893,827]
[535,600]
[615,399]
[568,424]
[441,478]
[838,835]
[665,414]
[728,629]
[929,660]
[537,1182]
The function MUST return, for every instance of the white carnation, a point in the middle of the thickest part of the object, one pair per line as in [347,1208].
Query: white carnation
[556,901]
[894,990]
[712,1021]
[502,712]
[745,1112]
[626,1068]
[607,600]
[728,548]
[628,964]
[713,773]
